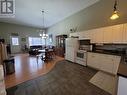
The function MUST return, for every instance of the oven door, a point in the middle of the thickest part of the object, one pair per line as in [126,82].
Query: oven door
[80,55]
[81,58]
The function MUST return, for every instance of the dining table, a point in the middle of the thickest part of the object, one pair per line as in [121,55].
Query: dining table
[46,54]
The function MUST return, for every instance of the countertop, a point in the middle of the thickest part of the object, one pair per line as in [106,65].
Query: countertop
[106,52]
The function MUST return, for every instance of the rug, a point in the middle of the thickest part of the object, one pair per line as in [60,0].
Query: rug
[65,78]
[104,81]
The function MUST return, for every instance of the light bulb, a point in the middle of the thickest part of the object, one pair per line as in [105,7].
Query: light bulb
[40,34]
[114,16]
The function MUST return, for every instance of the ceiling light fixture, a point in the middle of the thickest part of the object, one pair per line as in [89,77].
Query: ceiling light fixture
[115,12]
[43,34]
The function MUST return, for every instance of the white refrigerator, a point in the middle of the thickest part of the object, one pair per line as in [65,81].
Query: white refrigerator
[71,48]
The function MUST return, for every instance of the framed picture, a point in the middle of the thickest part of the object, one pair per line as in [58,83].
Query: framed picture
[23,39]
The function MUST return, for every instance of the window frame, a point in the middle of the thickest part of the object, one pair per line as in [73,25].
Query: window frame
[16,41]
[42,42]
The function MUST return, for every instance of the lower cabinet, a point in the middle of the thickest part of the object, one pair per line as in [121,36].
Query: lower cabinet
[104,62]
[91,57]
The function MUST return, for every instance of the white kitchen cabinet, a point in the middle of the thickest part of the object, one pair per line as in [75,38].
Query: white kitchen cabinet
[92,60]
[110,63]
[93,36]
[88,34]
[99,36]
[111,34]
[104,62]
[125,33]
[108,34]
[85,35]
[75,34]
[118,33]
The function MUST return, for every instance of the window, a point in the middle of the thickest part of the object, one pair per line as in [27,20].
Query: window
[36,41]
[50,38]
[15,41]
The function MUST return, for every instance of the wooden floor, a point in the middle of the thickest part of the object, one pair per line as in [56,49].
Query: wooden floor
[26,68]
[66,78]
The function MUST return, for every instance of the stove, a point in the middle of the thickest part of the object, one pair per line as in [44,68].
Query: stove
[81,57]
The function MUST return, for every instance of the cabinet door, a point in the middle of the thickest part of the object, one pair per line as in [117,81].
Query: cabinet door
[99,35]
[107,63]
[93,36]
[92,60]
[108,35]
[125,33]
[74,34]
[85,35]
[117,33]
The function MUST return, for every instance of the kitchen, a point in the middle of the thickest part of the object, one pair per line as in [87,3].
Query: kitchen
[104,49]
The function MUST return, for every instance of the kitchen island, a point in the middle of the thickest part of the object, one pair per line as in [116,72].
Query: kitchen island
[111,63]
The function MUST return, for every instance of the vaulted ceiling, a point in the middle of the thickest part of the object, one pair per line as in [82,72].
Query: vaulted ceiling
[28,12]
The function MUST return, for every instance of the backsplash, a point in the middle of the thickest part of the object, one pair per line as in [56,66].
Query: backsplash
[117,48]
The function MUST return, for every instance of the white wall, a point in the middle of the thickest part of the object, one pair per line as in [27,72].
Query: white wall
[95,16]
[23,31]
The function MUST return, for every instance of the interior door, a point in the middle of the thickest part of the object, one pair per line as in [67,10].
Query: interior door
[15,44]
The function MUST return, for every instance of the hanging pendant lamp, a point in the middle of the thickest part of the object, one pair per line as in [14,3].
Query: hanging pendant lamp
[115,14]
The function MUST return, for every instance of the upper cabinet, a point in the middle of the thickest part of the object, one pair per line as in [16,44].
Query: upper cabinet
[93,36]
[99,37]
[107,34]
[116,34]
[84,35]
[74,34]
[125,33]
